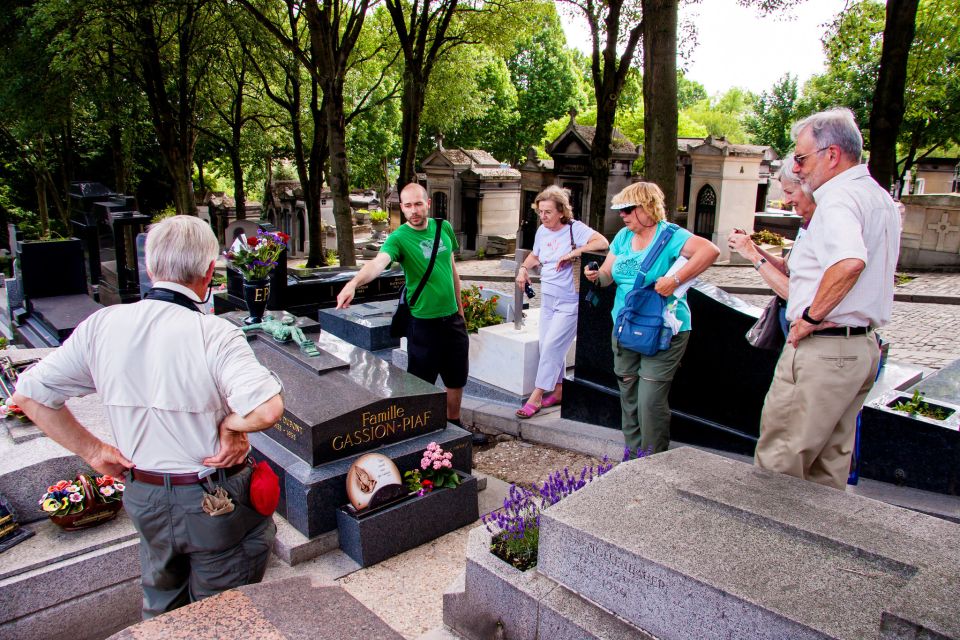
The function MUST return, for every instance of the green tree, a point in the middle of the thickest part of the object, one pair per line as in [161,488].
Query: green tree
[773,114]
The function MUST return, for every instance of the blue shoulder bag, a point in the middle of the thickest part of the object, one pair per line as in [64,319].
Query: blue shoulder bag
[639,326]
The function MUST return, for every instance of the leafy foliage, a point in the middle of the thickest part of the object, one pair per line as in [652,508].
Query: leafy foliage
[479,312]
[773,114]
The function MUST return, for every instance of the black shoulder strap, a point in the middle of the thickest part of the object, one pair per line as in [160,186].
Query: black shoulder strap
[433,258]
[174,297]
[572,243]
[655,252]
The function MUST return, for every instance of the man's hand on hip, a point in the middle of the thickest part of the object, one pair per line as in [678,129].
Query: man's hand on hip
[107,459]
[234,447]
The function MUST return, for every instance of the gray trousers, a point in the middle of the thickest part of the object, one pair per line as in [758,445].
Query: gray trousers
[186,554]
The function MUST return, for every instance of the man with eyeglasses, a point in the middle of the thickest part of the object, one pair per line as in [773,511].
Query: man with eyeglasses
[841,290]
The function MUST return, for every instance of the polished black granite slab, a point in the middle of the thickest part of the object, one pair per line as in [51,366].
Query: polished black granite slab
[346,400]
[366,325]
[718,392]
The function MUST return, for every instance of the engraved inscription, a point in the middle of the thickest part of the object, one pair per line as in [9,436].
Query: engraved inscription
[289,428]
[377,425]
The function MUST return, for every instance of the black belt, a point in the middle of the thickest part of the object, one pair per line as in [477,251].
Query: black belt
[842,331]
[153,477]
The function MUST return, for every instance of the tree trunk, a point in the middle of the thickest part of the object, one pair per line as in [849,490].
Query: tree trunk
[41,186]
[412,101]
[660,97]
[339,173]
[239,196]
[888,101]
[118,159]
[600,162]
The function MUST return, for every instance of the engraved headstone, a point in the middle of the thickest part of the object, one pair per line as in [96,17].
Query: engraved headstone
[338,405]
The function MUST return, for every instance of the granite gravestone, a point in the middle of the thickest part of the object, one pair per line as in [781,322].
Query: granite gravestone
[687,545]
[366,325]
[915,450]
[338,405]
[709,407]
[303,292]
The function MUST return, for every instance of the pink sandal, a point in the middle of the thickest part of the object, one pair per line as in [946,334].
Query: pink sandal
[528,410]
[549,401]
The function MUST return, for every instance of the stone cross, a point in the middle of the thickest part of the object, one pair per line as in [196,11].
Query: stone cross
[942,228]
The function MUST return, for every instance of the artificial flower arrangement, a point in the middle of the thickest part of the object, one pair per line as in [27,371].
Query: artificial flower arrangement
[85,501]
[436,472]
[256,256]
[9,410]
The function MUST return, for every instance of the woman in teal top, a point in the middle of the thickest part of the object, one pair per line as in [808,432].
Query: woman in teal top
[645,380]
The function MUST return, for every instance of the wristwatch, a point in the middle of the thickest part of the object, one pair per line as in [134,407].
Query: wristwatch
[806,316]
[676,279]
[759,264]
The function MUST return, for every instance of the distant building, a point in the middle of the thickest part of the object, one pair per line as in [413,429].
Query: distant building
[474,191]
[937,175]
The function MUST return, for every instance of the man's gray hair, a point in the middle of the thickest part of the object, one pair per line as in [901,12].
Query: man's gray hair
[180,249]
[834,126]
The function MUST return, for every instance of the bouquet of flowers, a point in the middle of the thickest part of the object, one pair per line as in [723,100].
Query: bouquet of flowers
[479,312]
[10,410]
[256,256]
[436,471]
[68,498]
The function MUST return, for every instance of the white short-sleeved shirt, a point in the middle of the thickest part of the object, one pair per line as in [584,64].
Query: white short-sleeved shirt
[166,375]
[855,218]
[549,247]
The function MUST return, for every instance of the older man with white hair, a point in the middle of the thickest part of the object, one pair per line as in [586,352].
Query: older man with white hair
[181,390]
[841,289]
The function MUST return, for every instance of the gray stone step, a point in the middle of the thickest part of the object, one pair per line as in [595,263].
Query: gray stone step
[691,545]
[492,599]
[284,609]
[89,577]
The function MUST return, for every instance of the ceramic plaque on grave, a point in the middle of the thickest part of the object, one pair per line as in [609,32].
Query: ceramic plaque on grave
[343,401]
[373,480]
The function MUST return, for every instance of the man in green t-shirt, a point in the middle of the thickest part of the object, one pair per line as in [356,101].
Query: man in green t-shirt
[437,343]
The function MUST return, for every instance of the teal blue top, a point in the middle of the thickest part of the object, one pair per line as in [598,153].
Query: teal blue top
[627,266]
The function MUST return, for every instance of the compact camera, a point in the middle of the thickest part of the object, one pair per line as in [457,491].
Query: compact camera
[527,289]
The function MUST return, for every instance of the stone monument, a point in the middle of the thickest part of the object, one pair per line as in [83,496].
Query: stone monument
[688,545]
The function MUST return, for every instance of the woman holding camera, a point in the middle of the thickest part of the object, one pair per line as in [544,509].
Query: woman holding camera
[559,241]
[644,381]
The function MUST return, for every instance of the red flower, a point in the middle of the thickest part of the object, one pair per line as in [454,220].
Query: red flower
[427,485]
[253,241]
[284,237]
[103,481]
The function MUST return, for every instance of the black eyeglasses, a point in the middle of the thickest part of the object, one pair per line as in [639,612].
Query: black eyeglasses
[799,160]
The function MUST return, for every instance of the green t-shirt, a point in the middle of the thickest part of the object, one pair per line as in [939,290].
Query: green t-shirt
[627,266]
[412,249]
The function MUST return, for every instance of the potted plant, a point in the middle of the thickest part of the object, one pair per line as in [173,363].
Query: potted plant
[378,219]
[479,312]
[255,258]
[85,502]
[916,405]
[515,528]
[441,499]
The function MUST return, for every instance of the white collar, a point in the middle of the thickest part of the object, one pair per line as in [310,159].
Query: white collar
[176,286]
[841,179]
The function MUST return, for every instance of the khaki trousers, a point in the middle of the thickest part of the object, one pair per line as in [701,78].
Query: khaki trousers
[809,418]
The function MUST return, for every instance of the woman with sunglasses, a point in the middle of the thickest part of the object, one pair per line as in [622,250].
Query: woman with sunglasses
[559,241]
[644,381]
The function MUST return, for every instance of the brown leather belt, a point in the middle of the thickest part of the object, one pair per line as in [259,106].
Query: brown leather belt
[152,477]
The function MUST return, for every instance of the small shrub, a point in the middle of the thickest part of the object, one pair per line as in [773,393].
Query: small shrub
[481,253]
[479,312]
[378,217]
[767,237]
[331,259]
[916,405]
[166,212]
